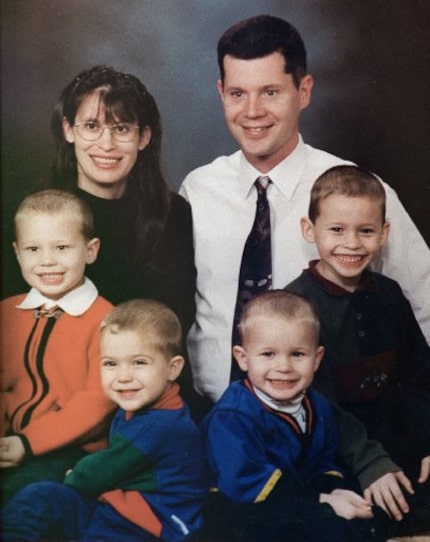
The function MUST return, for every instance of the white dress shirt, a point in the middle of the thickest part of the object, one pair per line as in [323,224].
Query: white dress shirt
[222,197]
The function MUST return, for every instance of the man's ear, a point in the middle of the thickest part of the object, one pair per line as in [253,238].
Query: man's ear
[307,229]
[305,89]
[176,364]
[69,136]
[239,354]
[220,89]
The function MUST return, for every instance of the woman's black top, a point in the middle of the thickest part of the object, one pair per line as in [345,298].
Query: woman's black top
[169,276]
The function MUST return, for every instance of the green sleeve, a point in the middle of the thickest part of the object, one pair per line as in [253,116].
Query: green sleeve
[366,459]
[121,466]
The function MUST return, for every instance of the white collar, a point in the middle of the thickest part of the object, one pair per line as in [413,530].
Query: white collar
[74,303]
[287,407]
[285,176]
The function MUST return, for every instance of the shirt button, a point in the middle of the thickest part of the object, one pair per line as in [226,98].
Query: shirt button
[358,316]
[361,333]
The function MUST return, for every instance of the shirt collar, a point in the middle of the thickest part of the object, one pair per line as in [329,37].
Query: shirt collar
[285,176]
[366,282]
[287,407]
[74,303]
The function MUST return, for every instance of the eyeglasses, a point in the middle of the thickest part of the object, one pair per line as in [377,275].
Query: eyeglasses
[92,130]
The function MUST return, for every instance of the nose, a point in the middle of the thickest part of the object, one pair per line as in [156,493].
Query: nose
[106,140]
[48,257]
[352,240]
[284,364]
[254,107]
[124,373]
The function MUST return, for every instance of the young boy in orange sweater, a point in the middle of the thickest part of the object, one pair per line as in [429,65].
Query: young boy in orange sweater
[53,410]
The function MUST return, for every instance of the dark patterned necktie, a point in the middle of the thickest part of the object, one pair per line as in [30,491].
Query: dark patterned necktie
[256,267]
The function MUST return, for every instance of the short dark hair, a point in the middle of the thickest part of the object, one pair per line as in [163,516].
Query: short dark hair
[261,36]
[346,180]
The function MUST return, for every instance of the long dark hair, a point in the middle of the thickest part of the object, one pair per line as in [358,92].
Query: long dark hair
[124,98]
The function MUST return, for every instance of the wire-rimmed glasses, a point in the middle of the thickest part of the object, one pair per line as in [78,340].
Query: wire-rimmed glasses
[91,130]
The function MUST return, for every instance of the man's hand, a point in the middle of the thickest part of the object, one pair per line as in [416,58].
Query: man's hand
[387,492]
[347,504]
[12,452]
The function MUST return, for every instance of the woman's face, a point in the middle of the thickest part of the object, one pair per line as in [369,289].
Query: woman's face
[104,164]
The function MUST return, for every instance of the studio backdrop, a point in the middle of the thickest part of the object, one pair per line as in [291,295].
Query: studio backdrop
[370,60]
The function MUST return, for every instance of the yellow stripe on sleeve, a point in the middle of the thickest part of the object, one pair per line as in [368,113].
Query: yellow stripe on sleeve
[270,484]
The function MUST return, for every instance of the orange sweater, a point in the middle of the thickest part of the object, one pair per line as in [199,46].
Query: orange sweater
[50,380]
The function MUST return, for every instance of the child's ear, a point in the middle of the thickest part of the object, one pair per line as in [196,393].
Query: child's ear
[307,229]
[176,364]
[318,356]
[239,354]
[68,131]
[93,247]
[15,248]
[385,233]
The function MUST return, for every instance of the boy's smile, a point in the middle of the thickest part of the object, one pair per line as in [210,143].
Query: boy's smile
[348,233]
[280,356]
[53,252]
[134,370]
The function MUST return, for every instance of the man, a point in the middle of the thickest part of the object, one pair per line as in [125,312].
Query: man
[264,86]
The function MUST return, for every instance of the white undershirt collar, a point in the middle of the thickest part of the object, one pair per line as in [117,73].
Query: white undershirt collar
[294,408]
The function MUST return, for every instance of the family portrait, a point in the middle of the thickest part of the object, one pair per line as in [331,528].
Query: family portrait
[215,271]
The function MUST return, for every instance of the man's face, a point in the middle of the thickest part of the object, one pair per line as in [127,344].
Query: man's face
[262,107]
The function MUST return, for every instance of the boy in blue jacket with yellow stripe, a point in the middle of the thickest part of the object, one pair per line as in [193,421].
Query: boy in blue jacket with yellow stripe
[271,441]
[149,484]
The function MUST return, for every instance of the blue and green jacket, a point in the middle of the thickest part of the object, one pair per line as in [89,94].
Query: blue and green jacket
[152,473]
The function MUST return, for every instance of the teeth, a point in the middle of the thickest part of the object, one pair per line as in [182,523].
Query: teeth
[349,259]
[105,161]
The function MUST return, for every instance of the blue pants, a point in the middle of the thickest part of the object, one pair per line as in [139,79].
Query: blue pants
[55,512]
[50,466]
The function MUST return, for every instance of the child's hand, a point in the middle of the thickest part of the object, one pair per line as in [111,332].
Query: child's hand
[425,470]
[12,452]
[387,492]
[347,504]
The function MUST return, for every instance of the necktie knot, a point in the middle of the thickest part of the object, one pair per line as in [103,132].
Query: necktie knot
[261,184]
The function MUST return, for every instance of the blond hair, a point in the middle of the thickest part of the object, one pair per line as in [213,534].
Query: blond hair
[142,314]
[54,202]
[281,303]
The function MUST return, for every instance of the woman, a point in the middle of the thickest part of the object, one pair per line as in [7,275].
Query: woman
[108,140]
